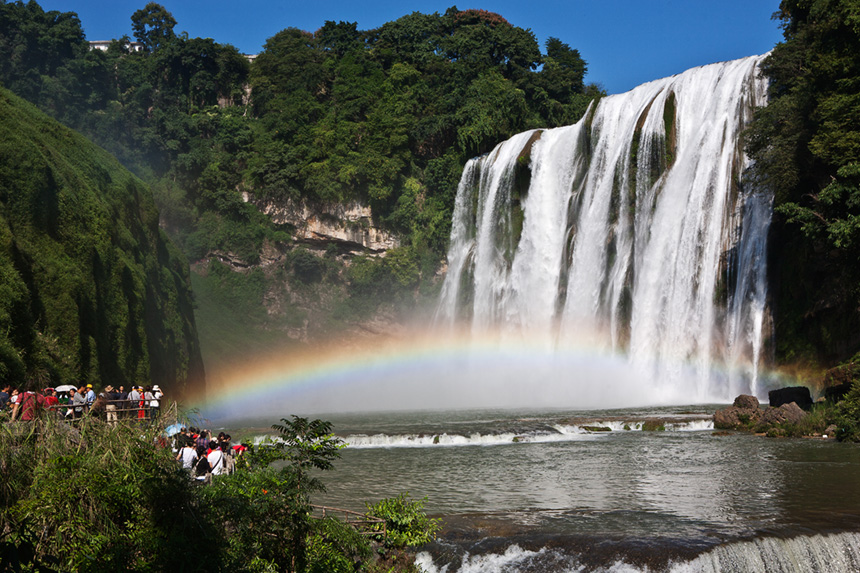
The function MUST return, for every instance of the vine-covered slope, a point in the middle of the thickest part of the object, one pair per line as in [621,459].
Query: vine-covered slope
[91,290]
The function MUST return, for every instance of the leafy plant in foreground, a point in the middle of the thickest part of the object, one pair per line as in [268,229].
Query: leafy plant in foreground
[406,523]
[268,509]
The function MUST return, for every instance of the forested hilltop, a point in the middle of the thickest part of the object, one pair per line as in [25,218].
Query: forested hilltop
[91,290]
[377,122]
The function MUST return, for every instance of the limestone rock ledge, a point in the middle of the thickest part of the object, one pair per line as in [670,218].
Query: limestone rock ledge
[350,225]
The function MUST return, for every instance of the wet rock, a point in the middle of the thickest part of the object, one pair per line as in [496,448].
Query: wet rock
[746,402]
[653,426]
[596,429]
[734,418]
[785,414]
[798,394]
[741,415]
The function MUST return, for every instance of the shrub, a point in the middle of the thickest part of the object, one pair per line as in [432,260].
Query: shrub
[406,522]
[847,415]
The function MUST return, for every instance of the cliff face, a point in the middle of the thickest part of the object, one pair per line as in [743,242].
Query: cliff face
[90,289]
[349,225]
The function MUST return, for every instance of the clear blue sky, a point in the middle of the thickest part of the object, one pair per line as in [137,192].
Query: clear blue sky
[625,42]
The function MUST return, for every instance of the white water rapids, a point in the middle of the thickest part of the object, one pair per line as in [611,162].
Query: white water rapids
[635,228]
[803,554]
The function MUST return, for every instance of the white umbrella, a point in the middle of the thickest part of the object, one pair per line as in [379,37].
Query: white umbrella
[65,388]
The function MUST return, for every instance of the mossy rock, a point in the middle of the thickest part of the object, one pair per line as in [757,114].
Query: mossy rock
[596,429]
[776,432]
[653,426]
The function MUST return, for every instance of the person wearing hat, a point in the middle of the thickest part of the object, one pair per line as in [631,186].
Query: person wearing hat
[111,397]
[155,402]
[91,395]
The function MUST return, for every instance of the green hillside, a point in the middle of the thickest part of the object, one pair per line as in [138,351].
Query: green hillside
[91,290]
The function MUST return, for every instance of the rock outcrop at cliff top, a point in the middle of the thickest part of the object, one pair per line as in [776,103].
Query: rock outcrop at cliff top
[349,225]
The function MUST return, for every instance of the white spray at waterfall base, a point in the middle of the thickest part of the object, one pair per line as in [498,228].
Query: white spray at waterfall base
[638,225]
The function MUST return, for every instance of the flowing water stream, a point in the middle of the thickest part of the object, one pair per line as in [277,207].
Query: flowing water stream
[535,491]
[637,228]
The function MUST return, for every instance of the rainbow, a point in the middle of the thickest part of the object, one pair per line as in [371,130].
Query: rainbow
[433,370]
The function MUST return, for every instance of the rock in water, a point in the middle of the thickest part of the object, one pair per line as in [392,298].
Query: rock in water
[797,394]
[785,414]
[744,411]
[747,402]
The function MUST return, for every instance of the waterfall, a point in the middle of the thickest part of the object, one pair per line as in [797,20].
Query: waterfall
[636,228]
[837,552]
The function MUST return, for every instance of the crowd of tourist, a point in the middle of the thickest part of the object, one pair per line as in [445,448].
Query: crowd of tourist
[200,454]
[204,457]
[142,402]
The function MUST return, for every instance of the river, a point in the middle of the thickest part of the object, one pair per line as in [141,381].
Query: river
[534,491]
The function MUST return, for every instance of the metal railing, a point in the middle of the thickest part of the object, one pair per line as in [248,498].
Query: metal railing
[363,523]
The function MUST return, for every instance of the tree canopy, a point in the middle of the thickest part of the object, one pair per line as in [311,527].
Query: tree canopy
[340,114]
[806,144]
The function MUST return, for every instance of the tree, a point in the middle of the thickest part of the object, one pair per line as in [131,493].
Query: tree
[806,146]
[563,70]
[270,508]
[153,26]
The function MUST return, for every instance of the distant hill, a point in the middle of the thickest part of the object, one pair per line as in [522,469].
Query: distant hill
[91,290]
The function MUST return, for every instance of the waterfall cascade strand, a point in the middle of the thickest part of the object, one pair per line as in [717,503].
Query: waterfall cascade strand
[636,225]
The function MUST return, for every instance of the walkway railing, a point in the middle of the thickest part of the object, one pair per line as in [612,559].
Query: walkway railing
[115,410]
[363,523]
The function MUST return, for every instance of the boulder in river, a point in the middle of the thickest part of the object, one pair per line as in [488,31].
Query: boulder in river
[785,414]
[746,402]
[742,414]
[798,394]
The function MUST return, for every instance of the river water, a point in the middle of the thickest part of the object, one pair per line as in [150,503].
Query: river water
[535,491]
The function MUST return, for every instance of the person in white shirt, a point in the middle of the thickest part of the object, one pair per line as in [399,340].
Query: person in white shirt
[155,400]
[188,455]
[216,459]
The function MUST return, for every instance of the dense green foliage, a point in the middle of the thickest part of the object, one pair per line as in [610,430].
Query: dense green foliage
[385,116]
[92,290]
[97,497]
[270,508]
[406,523]
[806,144]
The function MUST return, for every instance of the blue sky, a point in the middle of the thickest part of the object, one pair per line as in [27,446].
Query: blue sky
[625,42]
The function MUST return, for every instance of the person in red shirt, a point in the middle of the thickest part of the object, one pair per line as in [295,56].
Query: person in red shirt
[51,399]
[29,406]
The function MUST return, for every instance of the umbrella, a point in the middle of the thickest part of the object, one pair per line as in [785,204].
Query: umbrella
[174,429]
[65,388]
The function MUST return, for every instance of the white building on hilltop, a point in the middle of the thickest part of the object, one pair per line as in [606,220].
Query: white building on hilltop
[103,45]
